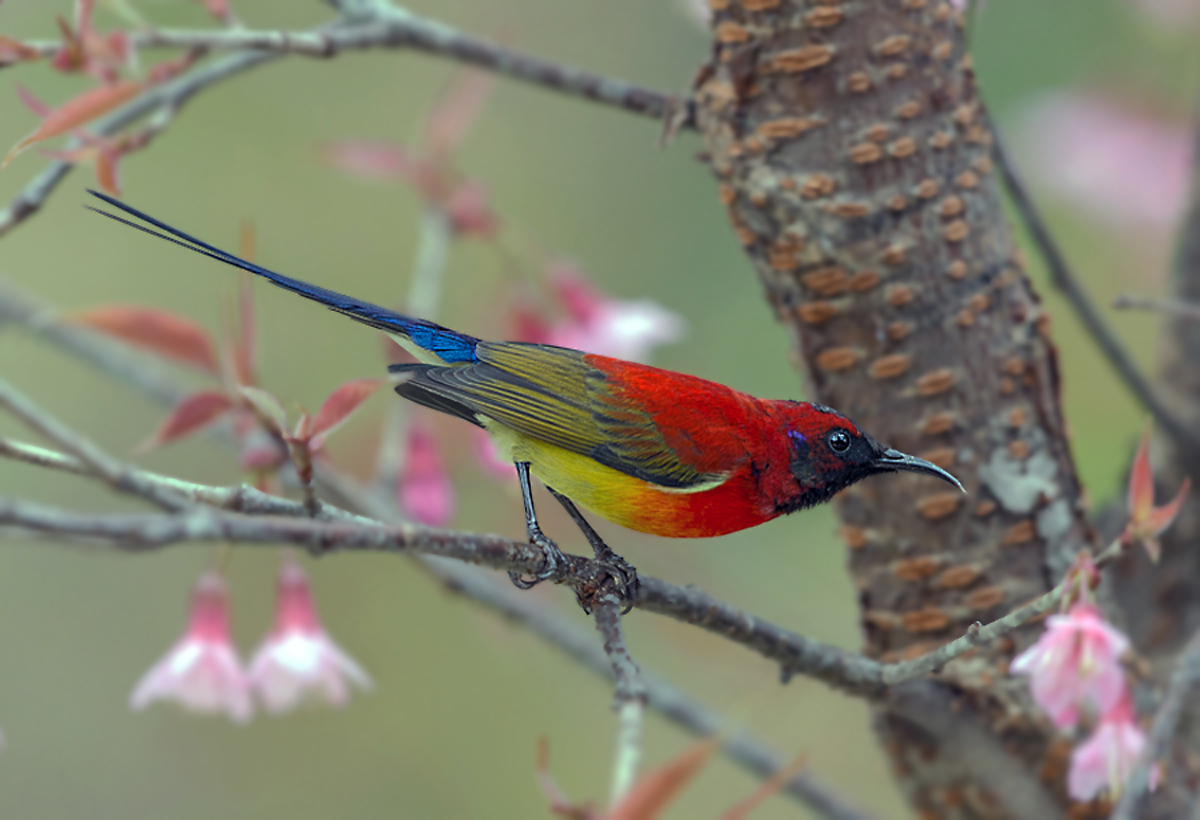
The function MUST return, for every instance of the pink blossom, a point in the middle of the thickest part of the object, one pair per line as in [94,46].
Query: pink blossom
[609,327]
[201,672]
[424,490]
[299,660]
[1109,157]
[1104,761]
[1075,661]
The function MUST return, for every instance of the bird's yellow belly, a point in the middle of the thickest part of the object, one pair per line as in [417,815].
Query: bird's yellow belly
[616,496]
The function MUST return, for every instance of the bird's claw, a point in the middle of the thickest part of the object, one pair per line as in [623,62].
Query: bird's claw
[552,557]
[614,575]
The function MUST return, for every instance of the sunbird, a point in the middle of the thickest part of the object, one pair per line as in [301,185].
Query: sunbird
[653,450]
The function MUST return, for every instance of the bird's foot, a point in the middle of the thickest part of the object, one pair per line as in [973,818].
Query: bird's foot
[614,575]
[552,559]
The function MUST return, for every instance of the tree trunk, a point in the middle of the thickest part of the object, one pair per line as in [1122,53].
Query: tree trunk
[853,155]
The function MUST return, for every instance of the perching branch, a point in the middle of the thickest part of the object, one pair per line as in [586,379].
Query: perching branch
[466,580]
[845,670]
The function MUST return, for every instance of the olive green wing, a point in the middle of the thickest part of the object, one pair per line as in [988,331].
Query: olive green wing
[554,395]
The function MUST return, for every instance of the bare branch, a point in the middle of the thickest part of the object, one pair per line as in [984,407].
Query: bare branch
[104,466]
[630,700]
[469,581]
[172,95]
[1063,278]
[1170,307]
[381,26]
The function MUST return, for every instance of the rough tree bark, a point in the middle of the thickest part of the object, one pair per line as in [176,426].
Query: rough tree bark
[853,155]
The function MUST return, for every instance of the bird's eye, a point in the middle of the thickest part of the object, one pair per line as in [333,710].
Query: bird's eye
[839,441]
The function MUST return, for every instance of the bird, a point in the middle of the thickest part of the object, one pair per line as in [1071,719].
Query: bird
[652,450]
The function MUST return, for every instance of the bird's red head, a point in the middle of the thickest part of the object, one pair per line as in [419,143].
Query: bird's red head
[829,453]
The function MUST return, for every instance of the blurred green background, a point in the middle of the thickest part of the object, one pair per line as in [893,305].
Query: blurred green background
[450,730]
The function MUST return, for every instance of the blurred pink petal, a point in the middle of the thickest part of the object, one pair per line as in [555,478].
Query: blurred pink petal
[424,490]
[1076,661]
[378,160]
[298,661]
[201,672]
[1103,762]
[454,113]
[489,457]
[609,327]
[1109,157]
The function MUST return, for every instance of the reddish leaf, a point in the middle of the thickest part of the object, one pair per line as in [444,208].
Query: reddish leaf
[560,805]
[1141,481]
[1162,517]
[340,404]
[14,51]
[31,102]
[379,160]
[76,112]
[83,15]
[651,794]
[451,118]
[266,407]
[106,171]
[157,331]
[191,415]
[777,782]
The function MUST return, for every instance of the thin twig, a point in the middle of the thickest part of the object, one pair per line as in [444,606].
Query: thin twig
[1171,307]
[1063,278]
[172,95]
[1183,681]
[107,468]
[630,699]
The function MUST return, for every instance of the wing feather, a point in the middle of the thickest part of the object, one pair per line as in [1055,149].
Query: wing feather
[553,395]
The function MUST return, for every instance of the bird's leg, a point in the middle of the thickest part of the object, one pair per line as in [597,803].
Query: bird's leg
[623,573]
[533,531]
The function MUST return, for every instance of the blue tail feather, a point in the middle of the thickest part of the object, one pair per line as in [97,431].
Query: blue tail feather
[448,345]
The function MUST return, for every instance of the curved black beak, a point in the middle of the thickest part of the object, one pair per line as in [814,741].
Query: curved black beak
[895,461]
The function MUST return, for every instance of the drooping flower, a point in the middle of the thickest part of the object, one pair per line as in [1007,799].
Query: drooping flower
[1103,762]
[201,672]
[1147,522]
[298,661]
[1076,661]
[423,489]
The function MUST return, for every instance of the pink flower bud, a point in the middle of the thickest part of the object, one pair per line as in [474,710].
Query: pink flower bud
[424,490]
